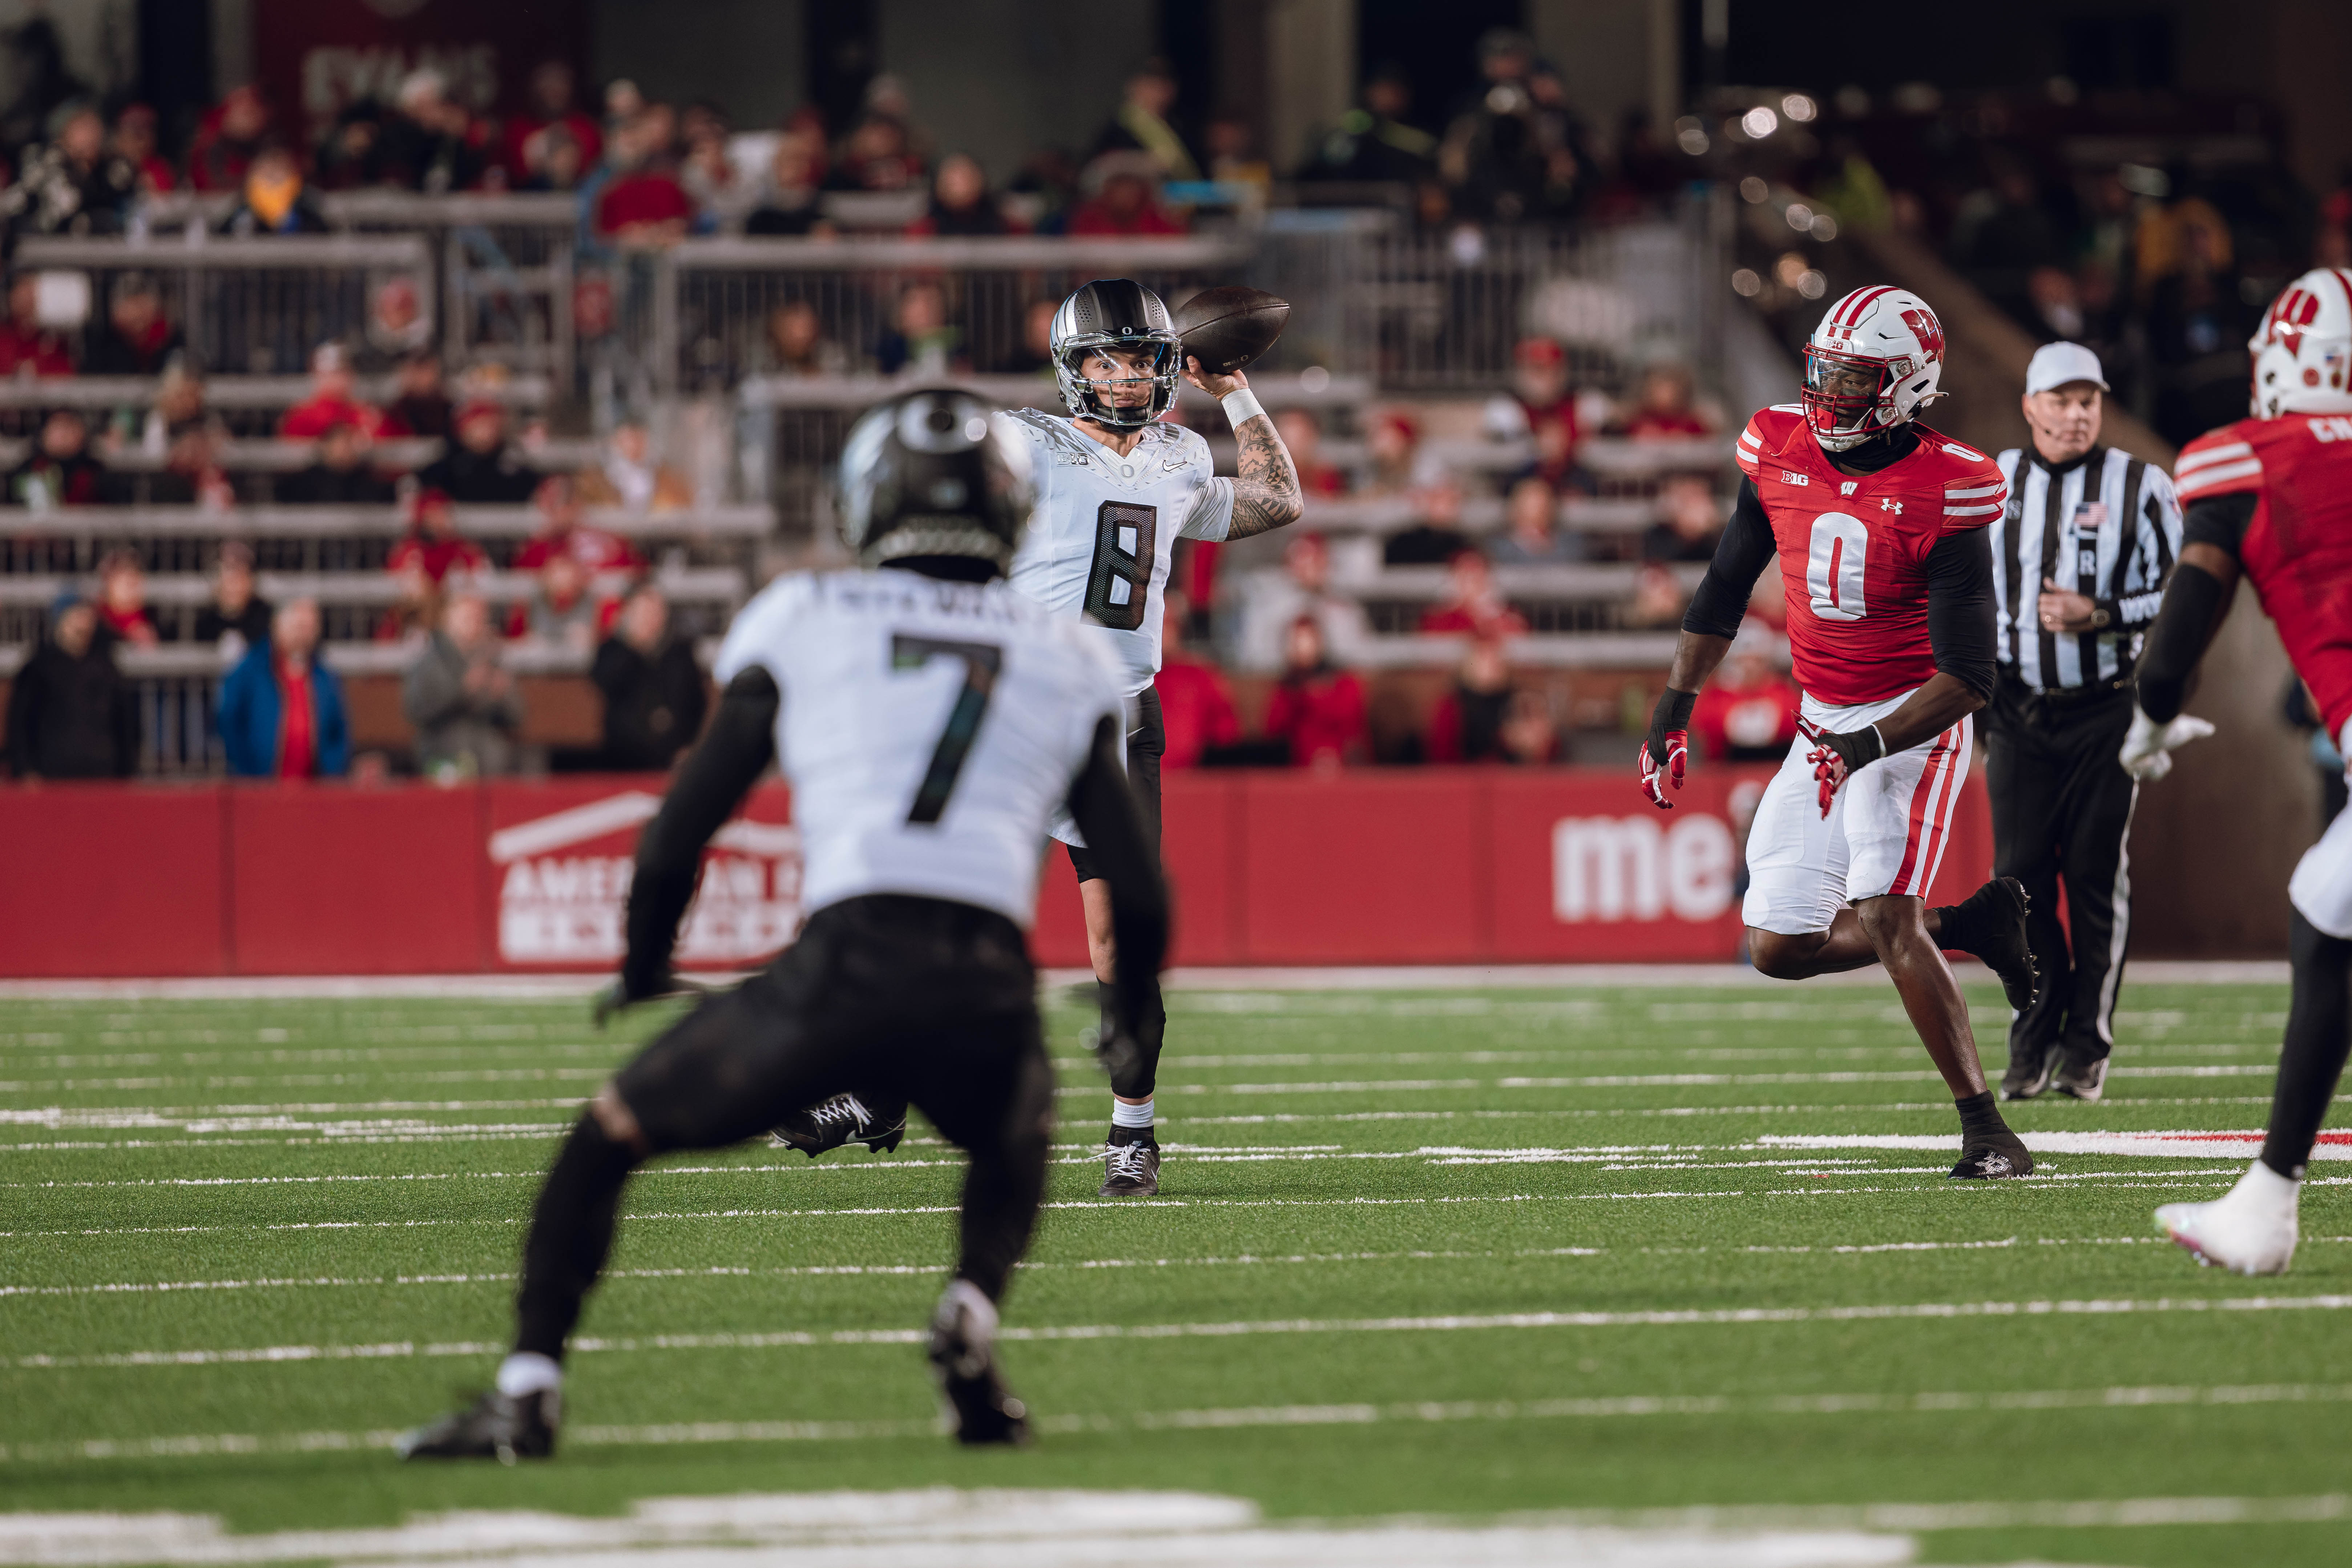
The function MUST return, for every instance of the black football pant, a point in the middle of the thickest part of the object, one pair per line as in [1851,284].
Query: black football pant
[926,1001]
[1135,1066]
[2062,809]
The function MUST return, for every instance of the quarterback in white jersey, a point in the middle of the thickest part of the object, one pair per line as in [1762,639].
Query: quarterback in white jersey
[1117,485]
[930,721]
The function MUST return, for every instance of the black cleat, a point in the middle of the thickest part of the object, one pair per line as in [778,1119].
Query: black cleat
[845,1119]
[501,1427]
[1993,1158]
[1994,917]
[964,1361]
[2082,1080]
[1130,1170]
[2030,1068]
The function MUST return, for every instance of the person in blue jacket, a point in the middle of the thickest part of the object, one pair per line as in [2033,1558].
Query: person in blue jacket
[281,708]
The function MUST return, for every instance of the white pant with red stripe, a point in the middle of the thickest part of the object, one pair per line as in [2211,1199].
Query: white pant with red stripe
[1886,831]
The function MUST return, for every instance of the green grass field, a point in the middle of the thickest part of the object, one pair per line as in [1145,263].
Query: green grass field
[1461,1254]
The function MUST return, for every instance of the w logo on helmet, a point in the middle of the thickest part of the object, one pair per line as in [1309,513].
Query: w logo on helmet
[2296,309]
[1927,330]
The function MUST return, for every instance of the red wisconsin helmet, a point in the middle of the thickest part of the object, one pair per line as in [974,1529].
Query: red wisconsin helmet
[1872,364]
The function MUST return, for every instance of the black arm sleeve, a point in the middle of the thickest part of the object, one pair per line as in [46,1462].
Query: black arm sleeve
[1741,557]
[2193,600]
[713,780]
[1104,806]
[2220,520]
[1960,620]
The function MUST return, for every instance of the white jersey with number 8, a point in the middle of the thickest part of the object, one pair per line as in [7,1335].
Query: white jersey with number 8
[1104,530]
[930,730]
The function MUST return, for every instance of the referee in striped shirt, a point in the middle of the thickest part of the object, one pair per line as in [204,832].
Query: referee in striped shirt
[2080,555]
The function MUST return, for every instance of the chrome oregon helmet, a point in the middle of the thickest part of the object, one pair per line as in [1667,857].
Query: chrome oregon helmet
[933,472]
[1116,313]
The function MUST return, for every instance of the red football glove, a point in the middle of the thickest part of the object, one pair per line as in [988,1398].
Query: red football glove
[1665,752]
[1838,755]
[1658,772]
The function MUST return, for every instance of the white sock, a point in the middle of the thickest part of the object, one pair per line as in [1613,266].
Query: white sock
[1122,1114]
[528,1372]
[2262,1185]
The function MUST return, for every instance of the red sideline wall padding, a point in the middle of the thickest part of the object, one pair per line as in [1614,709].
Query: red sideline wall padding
[1438,866]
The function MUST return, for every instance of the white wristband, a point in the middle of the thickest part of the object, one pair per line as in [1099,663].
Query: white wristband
[1241,407]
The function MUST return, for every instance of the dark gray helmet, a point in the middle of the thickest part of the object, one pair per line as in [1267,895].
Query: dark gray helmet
[934,472]
[1122,314]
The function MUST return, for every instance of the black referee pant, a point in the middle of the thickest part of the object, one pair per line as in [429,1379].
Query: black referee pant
[2062,808]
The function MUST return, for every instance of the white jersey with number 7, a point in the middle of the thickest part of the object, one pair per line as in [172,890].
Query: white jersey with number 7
[1104,530]
[930,730]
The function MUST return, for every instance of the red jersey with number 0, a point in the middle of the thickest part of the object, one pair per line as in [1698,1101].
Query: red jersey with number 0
[2297,547]
[1853,550]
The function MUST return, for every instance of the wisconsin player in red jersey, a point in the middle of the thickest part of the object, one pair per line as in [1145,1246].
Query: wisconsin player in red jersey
[1879,526]
[2270,498]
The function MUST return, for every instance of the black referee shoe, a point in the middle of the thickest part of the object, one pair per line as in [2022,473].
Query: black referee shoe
[2082,1078]
[501,1427]
[2030,1068]
[845,1119]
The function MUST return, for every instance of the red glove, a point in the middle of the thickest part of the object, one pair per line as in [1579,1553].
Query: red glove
[1836,756]
[1659,771]
[1665,753]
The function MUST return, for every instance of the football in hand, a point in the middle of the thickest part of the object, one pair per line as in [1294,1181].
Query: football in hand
[1227,328]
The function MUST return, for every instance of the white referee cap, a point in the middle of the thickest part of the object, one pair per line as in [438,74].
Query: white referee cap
[2055,365]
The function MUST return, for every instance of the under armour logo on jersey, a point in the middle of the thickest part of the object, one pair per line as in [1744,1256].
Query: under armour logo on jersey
[1849,486]
[1888,503]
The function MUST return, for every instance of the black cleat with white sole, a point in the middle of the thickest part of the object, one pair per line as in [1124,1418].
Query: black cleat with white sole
[501,1427]
[1993,1158]
[2029,1070]
[828,1124]
[1130,1170]
[964,1361]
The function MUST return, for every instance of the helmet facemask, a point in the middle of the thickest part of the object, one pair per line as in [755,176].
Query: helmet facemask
[1847,398]
[1142,362]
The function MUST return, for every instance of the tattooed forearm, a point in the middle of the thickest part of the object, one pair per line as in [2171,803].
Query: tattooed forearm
[1266,494]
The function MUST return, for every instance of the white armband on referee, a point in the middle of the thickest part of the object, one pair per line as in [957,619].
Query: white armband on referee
[1241,407]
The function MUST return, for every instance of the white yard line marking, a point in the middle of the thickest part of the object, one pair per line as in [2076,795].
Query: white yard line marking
[1603,1407]
[796,1339]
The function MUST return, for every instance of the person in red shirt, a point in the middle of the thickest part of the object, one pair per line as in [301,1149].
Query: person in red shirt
[1748,712]
[331,402]
[643,207]
[551,107]
[1317,710]
[1303,434]
[1878,526]
[433,544]
[27,347]
[1127,202]
[227,140]
[122,600]
[1196,704]
[2269,502]
[560,531]
[1472,604]
[1662,411]
[134,140]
